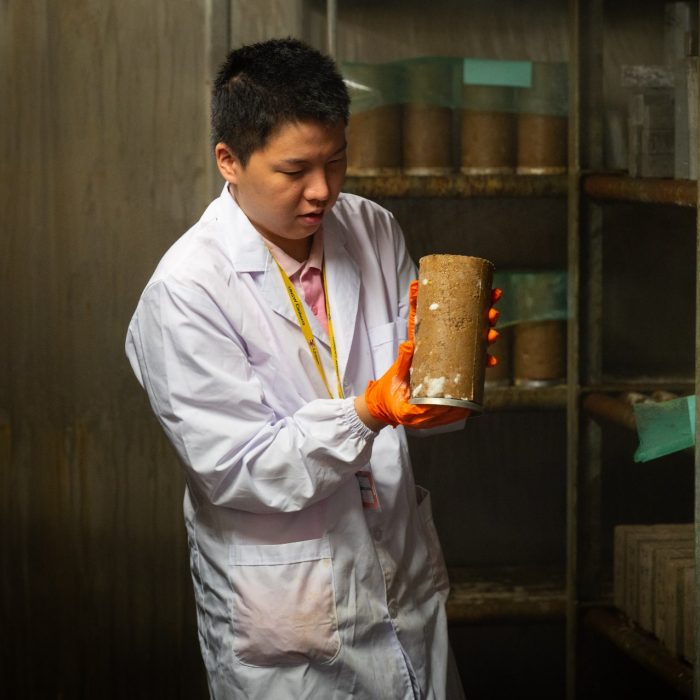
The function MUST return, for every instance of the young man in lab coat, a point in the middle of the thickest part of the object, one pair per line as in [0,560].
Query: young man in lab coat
[269,342]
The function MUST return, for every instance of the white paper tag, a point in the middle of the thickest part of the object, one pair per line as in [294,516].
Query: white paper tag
[368,491]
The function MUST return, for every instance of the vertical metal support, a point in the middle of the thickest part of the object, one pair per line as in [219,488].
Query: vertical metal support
[590,531]
[696,677]
[572,372]
[585,307]
[332,27]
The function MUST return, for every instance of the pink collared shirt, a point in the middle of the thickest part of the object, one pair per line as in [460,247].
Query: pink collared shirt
[306,276]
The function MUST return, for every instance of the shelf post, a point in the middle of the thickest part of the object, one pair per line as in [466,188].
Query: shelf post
[584,306]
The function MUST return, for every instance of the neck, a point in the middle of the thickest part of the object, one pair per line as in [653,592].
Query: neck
[297,249]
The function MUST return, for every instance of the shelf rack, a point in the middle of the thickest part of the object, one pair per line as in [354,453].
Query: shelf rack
[506,594]
[591,189]
[620,188]
[457,185]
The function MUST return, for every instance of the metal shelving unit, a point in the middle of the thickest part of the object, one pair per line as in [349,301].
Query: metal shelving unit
[589,190]
[583,597]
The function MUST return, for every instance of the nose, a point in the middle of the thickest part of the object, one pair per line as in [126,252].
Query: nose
[317,188]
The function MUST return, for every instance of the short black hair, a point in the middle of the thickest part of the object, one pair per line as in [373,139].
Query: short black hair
[261,86]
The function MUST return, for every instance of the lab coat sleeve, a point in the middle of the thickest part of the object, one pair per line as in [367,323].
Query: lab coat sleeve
[237,451]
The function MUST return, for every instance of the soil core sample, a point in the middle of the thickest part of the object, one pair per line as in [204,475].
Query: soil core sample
[449,361]
[539,353]
[488,137]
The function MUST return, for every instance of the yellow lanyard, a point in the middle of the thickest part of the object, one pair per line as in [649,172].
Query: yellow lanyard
[306,329]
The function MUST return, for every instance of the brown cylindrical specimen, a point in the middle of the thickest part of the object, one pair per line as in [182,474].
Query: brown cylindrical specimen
[374,141]
[501,374]
[427,140]
[542,120]
[488,134]
[488,143]
[539,352]
[430,86]
[542,144]
[451,331]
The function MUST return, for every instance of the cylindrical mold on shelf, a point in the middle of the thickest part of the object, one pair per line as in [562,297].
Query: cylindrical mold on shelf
[427,116]
[539,353]
[543,121]
[488,133]
[501,373]
[374,129]
[449,361]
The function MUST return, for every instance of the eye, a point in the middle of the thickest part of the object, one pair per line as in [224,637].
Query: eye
[291,173]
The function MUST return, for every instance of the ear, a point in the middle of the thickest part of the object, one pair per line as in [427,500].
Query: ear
[227,162]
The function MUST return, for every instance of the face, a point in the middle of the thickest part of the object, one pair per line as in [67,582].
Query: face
[288,186]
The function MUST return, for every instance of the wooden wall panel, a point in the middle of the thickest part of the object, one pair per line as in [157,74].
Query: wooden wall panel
[105,162]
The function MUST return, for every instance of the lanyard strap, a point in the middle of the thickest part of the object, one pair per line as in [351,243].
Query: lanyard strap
[306,329]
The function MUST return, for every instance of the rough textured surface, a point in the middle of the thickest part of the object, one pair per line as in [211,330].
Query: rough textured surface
[451,327]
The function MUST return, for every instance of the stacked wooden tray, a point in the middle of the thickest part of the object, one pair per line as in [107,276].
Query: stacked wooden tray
[654,581]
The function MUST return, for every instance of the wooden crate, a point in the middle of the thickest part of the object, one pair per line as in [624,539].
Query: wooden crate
[628,540]
[650,553]
[674,606]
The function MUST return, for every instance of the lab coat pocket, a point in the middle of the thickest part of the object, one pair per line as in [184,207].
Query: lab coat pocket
[384,340]
[437,560]
[284,609]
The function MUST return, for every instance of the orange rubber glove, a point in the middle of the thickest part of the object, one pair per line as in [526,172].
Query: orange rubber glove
[387,398]
[492,336]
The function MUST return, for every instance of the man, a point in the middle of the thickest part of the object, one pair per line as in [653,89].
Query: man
[259,339]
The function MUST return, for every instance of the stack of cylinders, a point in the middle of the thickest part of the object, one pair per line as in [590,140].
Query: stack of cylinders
[488,136]
[449,361]
[542,121]
[374,130]
[427,117]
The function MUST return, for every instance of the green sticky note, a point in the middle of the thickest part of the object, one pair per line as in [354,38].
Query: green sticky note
[480,71]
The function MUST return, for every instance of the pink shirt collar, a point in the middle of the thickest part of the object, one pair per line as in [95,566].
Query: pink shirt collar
[293,267]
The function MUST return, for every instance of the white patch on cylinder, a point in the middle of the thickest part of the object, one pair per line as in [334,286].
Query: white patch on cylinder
[424,280]
[457,378]
[436,386]
[417,390]
[434,306]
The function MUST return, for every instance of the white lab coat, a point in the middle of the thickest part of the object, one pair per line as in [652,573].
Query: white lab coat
[300,591]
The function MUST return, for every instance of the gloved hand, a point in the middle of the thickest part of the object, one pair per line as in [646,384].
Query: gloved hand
[387,398]
[492,336]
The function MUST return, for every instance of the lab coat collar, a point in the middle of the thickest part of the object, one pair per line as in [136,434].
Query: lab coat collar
[343,280]
[249,254]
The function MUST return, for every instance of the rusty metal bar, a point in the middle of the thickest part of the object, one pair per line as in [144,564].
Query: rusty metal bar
[681,193]
[458,185]
[609,409]
[643,385]
[643,648]
[506,594]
